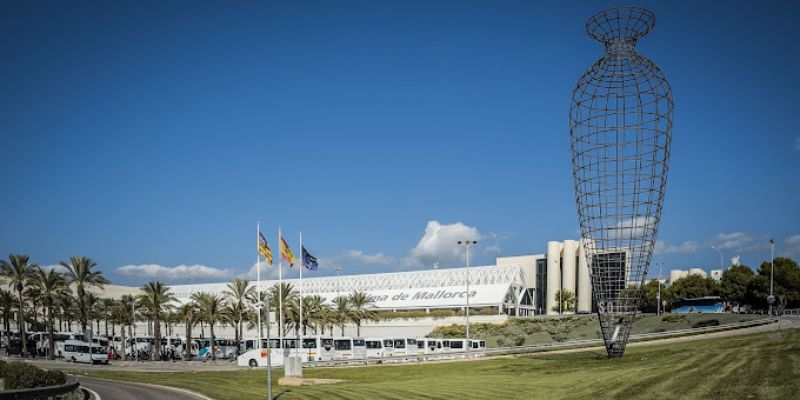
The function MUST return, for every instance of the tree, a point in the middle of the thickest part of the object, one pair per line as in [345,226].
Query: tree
[81,274]
[50,283]
[155,301]
[289,295]
[7,301]
[361,309]
[238,291]
[734,283]
[120,312]
[650,296]
[786,280]
[341,310]
[17,270]
[211,308]
[188,312]
[694,286]
[567,300]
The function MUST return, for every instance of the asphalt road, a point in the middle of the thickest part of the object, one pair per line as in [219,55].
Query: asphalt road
[116,390]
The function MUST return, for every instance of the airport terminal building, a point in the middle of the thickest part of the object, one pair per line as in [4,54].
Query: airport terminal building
[516,286]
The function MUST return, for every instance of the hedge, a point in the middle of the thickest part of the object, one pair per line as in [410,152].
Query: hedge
[20,375]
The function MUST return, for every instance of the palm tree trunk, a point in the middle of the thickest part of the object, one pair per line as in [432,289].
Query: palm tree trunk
[51,345]
[358,329]
[122,346]
[188,353]
[213,342]
[21,323]
[157,339]
[82,305]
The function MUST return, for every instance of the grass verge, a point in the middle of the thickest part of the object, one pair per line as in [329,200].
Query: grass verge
[739,367]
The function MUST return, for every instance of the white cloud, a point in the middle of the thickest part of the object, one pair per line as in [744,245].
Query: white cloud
[267,272]
[689,246]
[180,272]
[438,243]
[791,247]
[57,267]
[738,241]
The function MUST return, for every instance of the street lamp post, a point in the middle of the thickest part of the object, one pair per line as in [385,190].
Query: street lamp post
[468,244]
[658,296]
[771,297]
[259,306]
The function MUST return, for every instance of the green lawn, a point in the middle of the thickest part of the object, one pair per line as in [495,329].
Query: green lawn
[742,367]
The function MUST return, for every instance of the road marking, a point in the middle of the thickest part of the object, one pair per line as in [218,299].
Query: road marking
[93,393]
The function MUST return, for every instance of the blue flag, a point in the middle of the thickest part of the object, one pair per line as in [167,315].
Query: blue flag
[309,261]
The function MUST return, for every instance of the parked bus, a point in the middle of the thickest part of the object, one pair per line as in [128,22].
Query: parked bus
[710,304]
[85,352]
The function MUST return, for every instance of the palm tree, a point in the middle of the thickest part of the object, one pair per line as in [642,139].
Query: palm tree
[362,309]
[327,318]
[80,273]
[212,311]
[188,312]
[258,298]
[17,270]
[121,314]
[90,301]
[103,308]
[312,313]
[289,294]
[66,302]
[155,301]
[7,301]
[341,311]
[50,283]
[238,291]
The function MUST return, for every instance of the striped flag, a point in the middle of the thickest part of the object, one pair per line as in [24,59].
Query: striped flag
[286,252]
[263,248]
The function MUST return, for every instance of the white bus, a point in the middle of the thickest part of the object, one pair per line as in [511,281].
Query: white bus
[359,348]
[80,351]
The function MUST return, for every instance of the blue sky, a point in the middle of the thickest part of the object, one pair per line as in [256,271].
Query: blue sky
[155,134]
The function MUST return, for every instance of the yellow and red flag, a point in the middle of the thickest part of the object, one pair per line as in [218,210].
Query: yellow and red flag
[263,248]
[286,252]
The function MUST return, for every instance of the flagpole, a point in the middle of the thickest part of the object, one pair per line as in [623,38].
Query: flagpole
[280,288]
[258,281]
[301,288]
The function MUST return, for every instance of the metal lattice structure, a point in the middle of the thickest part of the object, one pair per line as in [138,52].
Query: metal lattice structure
[620,128]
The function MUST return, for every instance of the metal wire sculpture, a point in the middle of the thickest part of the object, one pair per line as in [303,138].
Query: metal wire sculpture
[620,129]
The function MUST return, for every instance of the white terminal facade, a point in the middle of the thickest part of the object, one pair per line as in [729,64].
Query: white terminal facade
[517,286]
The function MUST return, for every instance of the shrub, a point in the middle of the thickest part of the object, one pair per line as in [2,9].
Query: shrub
[20,375]
[673,318]
[705,323]
[3,369]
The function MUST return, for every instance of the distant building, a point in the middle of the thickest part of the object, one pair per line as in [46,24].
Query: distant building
[676,274]
[716,274]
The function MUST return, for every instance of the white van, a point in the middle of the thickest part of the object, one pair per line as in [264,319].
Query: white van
[374,348]
[342,348]
[80,351]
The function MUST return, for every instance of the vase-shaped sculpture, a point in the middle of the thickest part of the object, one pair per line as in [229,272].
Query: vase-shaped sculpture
[620,123]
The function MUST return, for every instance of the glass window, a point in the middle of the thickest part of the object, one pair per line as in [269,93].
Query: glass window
[456,344]
[411,342]
[342,344]
[387,343]
[177,342]
[374,344]
[69,348]
[399,344]
[421,344]
[327,342]
[289,344]
[274,343]
[358,342]
[309,343]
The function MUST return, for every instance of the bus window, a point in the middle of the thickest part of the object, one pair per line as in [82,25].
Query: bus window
[327,343]
[399,344]
[374,344]
[411,342]
[420,344]
[358,342]
[342,344]
[387,343]
[456,344]
[309,343]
